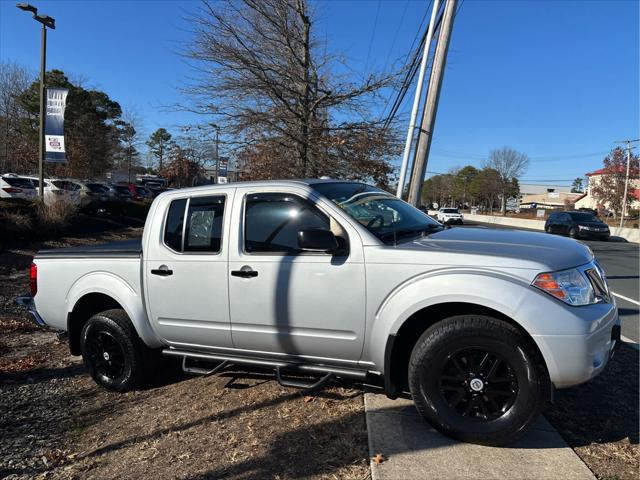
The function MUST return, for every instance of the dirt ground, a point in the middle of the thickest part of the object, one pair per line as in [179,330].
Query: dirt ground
[56,423]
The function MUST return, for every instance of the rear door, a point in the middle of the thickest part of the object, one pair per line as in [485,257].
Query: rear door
[185,269]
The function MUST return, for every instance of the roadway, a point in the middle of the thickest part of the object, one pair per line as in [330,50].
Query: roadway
[620,261]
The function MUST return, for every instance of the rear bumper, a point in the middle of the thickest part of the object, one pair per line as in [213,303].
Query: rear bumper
[27,302]
[576,359]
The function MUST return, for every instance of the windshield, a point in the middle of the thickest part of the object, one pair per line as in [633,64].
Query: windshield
[449,210]
[583,217]
[387,217]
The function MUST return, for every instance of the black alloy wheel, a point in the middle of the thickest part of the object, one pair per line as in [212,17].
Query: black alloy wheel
[478,379]
[478,384]
[106,356]
[115,356]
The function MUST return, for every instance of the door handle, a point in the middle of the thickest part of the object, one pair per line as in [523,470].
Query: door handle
[162,270]
[245,272]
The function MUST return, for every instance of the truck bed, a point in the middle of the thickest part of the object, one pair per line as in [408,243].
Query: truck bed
[126,248]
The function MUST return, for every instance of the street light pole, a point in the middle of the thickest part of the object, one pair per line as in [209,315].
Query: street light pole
[50,22]
[43,69]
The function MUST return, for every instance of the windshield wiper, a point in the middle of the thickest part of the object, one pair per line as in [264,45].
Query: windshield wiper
[397,234]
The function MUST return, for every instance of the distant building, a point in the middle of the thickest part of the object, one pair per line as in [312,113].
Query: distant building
[594,178]
[548,197]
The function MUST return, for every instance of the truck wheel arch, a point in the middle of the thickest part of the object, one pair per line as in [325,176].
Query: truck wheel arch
[90,301]
[399,345]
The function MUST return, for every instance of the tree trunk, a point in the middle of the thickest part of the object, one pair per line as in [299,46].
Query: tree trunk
[306,110]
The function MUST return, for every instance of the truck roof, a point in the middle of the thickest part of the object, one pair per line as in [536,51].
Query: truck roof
[257,183]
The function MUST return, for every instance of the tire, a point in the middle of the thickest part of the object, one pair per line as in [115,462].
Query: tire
[113,353]
[450,397]
[573,233]
[547,229]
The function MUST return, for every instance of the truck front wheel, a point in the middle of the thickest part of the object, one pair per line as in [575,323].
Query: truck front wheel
[477,379]
[114,355]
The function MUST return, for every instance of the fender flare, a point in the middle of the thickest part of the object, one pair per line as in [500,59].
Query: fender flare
[121,291]
[490,289]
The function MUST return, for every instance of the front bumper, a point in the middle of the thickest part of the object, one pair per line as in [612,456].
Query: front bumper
[27,302]
[594,234]
[576,359]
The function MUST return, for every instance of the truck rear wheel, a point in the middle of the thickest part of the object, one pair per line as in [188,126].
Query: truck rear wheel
[112,351]
[477,379]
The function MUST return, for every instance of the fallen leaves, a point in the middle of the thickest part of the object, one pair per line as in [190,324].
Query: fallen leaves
[378,458]
[308,399]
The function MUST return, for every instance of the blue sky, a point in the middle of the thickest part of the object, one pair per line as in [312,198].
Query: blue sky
[557,80]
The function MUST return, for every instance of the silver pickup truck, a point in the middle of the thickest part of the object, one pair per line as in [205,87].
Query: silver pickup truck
[338,279]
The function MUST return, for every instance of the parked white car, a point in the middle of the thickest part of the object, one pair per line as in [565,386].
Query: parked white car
[56,190]
[450,215]
[17,187]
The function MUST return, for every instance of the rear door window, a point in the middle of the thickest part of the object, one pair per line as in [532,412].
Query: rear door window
[174,223]
[203,229]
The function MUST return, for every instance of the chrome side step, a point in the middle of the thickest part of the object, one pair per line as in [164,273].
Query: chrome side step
[261,362]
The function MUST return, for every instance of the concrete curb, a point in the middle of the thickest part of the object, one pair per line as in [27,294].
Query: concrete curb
[414,450]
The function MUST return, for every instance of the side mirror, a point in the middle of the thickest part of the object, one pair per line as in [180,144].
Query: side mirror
[317,240]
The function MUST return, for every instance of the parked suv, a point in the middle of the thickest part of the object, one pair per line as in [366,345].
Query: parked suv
[450,215]
[17,187]
[577,224]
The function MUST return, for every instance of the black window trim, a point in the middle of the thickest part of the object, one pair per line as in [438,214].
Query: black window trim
[241,236]
[184,224]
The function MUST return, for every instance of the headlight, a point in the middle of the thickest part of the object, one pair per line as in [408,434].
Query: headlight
[570,286]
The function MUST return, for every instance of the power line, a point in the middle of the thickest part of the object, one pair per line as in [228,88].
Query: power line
[411,73]
[373,34]
[413,61]
[395,35]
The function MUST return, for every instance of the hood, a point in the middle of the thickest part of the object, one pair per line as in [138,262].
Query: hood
[517,248]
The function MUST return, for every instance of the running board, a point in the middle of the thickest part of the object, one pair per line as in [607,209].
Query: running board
[202,371]
[261,362]
[301,384]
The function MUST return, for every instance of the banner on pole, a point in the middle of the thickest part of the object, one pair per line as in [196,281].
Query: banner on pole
[54,125]
[223,165]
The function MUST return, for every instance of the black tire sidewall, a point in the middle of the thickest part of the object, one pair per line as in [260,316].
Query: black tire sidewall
[425,367]
[127,379]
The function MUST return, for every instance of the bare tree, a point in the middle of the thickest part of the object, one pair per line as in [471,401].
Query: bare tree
[510,164]
[264,78]
[14,148]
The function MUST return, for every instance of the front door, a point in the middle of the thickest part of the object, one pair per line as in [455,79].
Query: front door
[293,302]
[185,271]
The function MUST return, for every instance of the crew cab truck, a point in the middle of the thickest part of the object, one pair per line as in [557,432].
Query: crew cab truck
[338,279]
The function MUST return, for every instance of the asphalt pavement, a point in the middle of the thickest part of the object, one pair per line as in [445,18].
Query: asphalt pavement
[620,261]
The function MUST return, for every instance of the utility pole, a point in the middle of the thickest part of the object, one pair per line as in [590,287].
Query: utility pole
[626,180]
[431,106]
[416,99]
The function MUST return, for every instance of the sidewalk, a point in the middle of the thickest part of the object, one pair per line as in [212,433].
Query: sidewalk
[414,450]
